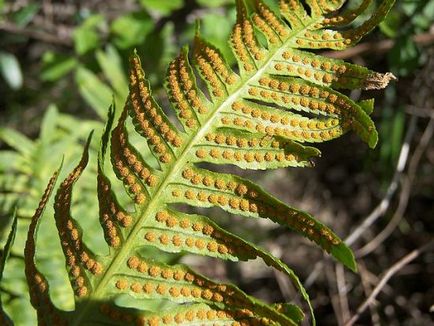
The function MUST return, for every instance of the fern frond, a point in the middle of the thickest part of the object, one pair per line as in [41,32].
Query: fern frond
[258,118]
[47,313]
[4,318]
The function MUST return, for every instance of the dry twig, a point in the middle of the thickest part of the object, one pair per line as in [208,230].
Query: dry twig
[404,195]
[334,297]
[35,34]
[393,186]
[342,292]
[364,276]
[389,273]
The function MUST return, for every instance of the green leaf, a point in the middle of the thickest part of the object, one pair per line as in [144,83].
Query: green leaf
[138,25]
[17,141]
[25,14]
[214,3]
[421,15]
[391,24]
[86,36]
[345,255]
[55,66]
[11,70]
[404,57]
[111,64]
[428,10]
[85,40]
[49,123]
[164,7]
[7,159]
[158,50]
[93,90]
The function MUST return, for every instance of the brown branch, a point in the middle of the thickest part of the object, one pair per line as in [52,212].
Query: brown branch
[36,34]
[342,291]
[405,193]
[286,288]
[334,296]
[364,277]
[420,112]
[387,276]
[393,186]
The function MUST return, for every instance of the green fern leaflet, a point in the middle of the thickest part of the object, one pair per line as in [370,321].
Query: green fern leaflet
[262,116]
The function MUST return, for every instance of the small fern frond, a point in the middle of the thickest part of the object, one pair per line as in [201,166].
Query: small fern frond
[260,116]
[4,318]
[47,313]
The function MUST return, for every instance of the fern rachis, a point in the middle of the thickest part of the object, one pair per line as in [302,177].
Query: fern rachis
[247,120]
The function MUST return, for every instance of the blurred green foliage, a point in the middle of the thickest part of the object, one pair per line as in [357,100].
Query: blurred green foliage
[406,20]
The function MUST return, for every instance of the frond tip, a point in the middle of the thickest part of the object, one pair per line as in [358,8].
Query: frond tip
[47,313]
[267,116]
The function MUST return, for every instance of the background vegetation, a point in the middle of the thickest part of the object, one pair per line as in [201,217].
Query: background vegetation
[62,61]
